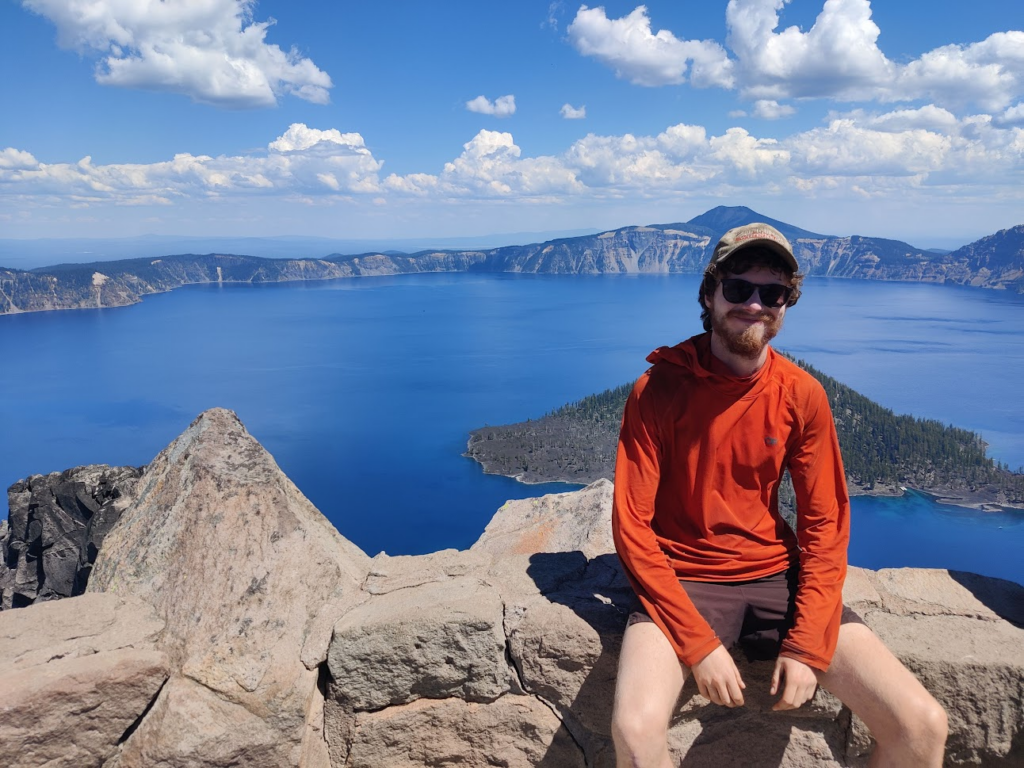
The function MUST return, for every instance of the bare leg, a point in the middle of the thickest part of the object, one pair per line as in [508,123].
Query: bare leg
[908,725]
[646,690]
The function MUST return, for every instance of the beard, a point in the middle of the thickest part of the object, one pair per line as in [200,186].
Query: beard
[751,341]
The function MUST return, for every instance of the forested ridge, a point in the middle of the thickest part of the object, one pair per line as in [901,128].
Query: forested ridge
[576,443]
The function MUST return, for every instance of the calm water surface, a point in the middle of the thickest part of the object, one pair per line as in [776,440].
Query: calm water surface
[365,389]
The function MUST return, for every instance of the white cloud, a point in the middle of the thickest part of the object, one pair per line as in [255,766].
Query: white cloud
[628,46]
[303,160]
[924,153]
[838,58]
[845,148]
[738,151]
[989,74]
[673,159]
[12,159]
[491,165]
[1012,116]
[503,106]
[929,118]
[569,112]
[211,50]
[329,180]
[769,109]
[300,137]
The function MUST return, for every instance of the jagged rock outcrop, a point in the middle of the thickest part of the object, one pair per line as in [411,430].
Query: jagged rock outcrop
[75,677]
[248,577]
[55,527]
[283,644]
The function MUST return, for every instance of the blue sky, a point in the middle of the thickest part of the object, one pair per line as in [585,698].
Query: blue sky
[405,119]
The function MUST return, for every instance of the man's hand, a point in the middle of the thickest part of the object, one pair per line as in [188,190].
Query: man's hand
[718,680]
[799,683]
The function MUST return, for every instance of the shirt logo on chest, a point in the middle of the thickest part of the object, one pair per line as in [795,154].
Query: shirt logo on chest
[770,441]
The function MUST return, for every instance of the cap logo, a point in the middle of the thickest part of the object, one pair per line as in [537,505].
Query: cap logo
[758,234]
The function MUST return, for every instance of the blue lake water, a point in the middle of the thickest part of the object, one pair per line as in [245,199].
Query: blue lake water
[365,389]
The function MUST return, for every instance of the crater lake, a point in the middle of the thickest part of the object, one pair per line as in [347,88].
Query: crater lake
[365,389]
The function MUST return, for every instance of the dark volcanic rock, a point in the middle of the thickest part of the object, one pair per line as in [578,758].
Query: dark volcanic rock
[56,525]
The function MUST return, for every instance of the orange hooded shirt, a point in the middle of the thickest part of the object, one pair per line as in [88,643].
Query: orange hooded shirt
[700,457]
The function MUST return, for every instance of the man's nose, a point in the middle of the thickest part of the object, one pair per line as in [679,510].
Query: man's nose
[754,301]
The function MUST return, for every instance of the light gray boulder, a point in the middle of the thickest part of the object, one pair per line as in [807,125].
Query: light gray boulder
[513,731]
[437,640]
[76,675]
[249,578]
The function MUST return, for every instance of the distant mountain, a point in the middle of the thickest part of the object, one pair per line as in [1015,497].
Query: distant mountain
[724,217]
[996,261]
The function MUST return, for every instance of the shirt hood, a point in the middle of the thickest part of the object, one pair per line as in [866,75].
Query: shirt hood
[694,356]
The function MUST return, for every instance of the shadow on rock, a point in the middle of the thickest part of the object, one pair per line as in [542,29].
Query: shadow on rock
[1003,598]
[570,661]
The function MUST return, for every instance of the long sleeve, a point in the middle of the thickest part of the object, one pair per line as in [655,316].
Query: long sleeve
[637,477]
[823,533]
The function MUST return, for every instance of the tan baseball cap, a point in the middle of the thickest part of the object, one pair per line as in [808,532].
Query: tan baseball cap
[759,234]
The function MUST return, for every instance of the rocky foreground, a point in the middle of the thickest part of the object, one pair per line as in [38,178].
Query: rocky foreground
[226,623]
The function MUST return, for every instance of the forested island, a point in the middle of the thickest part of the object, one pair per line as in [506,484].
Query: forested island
[883,452]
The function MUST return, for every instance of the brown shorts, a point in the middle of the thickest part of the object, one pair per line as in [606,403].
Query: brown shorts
[757,613]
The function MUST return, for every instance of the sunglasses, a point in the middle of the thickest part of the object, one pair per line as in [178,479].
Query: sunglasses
[737,291]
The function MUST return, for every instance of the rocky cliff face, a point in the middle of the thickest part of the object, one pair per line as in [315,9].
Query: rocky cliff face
[993,262]
[55,526]
[227,623]
[119,283]
[996,260]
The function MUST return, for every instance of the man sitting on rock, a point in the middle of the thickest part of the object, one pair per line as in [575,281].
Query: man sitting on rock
[707,433]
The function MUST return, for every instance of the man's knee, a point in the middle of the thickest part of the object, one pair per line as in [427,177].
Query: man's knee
[921,726]
[926,722]
[637,730]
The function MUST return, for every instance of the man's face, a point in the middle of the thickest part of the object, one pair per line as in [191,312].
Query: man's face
[746,328]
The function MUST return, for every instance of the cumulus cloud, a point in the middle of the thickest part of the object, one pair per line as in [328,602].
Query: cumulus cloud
[569,112]
[1013,116]
[16,159]
[858,153]
[301,161]
[673,159]
[928,118]
[921,151]
[628,46]
[300,137]
[212,51]
[491,166]
[989,74]
[838,58]
[503,106]
[769,109]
